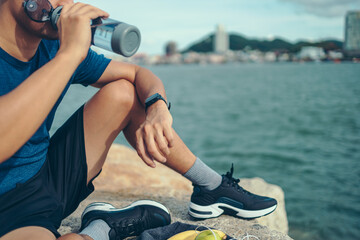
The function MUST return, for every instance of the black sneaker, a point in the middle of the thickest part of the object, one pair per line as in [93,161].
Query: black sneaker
[129,221]
[229,198]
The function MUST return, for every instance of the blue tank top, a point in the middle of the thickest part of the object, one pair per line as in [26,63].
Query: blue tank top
[27,161]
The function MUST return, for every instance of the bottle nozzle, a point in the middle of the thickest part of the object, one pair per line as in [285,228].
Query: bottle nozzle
[54,17]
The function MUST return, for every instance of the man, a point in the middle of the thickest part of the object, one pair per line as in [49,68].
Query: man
[43,179]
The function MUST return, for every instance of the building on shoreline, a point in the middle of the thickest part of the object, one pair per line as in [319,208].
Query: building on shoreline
[352,34]
[312,54]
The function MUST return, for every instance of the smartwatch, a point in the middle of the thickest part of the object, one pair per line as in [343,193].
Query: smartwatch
[153,99]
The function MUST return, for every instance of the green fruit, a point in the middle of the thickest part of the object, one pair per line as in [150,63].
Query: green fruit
[208,235]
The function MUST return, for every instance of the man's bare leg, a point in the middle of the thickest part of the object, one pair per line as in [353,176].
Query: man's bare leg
[29,233]
[113,109]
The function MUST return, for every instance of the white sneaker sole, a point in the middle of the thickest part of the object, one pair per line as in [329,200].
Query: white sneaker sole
[110,208]
[215,210]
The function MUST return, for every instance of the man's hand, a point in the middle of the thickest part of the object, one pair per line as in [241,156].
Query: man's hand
[154,138]
[74,28]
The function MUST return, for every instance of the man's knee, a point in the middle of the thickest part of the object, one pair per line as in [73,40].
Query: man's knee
[120,93]
[31,233]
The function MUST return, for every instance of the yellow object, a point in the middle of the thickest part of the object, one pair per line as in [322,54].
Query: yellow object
[208,235]
[197,235]
[187,235]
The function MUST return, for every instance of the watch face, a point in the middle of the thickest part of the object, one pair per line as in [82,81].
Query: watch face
[152,97]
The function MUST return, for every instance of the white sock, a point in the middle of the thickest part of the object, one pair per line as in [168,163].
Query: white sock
[97,230]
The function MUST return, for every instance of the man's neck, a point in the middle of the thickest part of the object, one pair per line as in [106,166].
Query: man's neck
[19,50]
[15,40]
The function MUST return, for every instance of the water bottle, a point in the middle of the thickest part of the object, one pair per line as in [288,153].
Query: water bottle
[109,34]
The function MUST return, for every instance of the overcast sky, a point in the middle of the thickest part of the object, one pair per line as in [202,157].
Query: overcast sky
[187,21]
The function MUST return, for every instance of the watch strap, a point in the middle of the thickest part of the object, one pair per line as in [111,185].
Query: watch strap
[153,99]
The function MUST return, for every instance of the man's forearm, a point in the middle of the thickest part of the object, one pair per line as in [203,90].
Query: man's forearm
[25,108]
[147,84]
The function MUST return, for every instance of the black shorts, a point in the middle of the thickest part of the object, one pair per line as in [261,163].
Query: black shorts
[57,189]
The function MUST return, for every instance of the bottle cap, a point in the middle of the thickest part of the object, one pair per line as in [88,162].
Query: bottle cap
[126,39]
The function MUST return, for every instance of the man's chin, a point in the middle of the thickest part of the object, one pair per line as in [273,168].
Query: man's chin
[49,33]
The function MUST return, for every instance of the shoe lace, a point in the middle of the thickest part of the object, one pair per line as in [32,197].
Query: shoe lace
[129,228]
[231,181]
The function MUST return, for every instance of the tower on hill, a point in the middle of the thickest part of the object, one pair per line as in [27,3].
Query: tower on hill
[221,43]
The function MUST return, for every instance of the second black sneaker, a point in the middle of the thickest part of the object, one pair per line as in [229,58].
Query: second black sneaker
[129,221]
[229,198]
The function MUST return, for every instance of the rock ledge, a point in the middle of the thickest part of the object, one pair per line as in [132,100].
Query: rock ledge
[125,178]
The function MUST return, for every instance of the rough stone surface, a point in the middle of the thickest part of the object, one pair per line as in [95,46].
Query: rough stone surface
[125,178]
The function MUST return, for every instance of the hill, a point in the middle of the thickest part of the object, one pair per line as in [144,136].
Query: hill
[238,42]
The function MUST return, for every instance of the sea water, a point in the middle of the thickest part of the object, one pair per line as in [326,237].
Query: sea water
[296,125]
